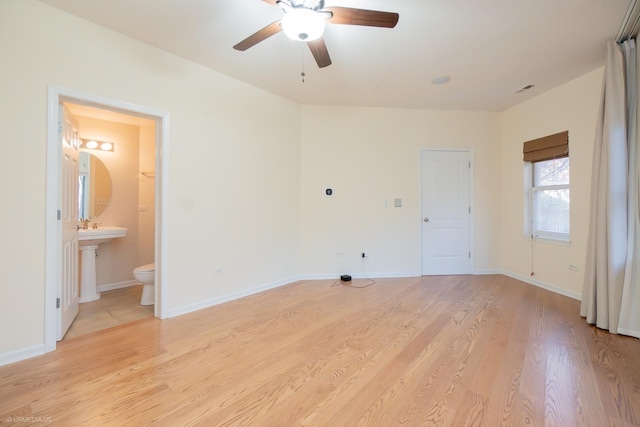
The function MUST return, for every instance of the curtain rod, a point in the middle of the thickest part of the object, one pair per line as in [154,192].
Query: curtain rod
[631,23]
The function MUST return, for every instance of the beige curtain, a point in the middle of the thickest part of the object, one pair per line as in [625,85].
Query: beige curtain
[607,242]
[630,308]
[611,293]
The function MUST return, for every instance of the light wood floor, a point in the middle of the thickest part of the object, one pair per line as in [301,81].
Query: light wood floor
[449,351]
[114,308]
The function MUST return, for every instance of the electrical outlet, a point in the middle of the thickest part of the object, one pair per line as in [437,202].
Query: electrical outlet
[573,267]
[364,255]
[218,271]
[340,254]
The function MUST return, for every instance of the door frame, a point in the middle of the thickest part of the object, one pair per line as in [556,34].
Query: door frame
[471,203]
[57,94]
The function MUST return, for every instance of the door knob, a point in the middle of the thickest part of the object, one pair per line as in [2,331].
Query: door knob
[426,219]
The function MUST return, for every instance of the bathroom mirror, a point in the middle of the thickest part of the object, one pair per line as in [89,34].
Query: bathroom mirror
[94,186]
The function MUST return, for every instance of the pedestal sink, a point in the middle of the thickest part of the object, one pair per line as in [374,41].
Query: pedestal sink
[88,241]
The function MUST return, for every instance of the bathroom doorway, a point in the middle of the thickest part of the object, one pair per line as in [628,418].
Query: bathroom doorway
[149,203]
[115,187]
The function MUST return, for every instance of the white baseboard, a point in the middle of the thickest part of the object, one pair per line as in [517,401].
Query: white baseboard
[486,272]
[22,354]
[117,285]
[387,275]
[318,277]
[229,297]
[359,276]
[543,285]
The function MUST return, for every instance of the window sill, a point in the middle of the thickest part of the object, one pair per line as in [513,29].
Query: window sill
[550,240]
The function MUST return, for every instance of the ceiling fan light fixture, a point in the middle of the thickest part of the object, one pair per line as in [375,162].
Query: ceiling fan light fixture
[303,24]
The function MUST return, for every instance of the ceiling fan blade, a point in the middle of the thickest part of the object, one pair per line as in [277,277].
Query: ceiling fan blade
[320,52]
[369,18]
[259,36]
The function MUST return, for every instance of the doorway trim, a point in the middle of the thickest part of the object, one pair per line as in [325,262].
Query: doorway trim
[471,204]
[57,94]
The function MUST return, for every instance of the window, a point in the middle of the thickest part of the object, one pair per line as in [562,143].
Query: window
[547,192]
[549,211]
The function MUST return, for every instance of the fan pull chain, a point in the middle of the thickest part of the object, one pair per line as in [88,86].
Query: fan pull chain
[302,74]
[532,244]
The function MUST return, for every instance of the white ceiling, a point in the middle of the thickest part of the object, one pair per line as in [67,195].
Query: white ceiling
[490,48]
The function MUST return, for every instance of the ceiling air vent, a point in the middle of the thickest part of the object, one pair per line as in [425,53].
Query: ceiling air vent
[523,88]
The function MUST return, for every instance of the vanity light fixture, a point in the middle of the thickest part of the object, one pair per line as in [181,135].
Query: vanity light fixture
[96,145]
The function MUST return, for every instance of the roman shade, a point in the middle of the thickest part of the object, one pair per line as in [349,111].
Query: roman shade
[547,147]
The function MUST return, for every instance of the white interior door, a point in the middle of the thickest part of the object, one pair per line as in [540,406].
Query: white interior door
[68,291]
[446,212]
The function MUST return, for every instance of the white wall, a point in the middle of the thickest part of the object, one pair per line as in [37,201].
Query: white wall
[146,196]
[573,107]
[372,155]
[233,185]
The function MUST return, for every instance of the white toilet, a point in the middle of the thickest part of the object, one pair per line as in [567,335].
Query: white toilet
[145,274]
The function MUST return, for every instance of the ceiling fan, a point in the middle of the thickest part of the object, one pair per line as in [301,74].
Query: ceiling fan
[304,20]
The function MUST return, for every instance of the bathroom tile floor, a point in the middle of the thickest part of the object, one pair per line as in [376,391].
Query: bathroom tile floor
[112,309]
